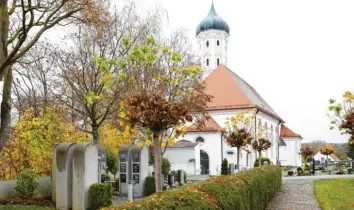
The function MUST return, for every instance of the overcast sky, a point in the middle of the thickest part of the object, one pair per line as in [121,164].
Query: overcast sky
[296,54]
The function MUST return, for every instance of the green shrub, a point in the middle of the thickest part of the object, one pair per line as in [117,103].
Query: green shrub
[165,167]
[225,167]
[100,195]
[252,190]
[350,171]
[149,186]
[184,175]
[263,159]
[290,173]
[27,182]
[299,171]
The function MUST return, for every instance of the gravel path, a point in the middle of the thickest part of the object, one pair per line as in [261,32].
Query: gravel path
[295,194]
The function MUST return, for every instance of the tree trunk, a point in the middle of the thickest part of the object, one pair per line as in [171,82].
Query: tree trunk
[157,162]
[6,98]
[260,158]
[238,158]
[6,109]
[95,134]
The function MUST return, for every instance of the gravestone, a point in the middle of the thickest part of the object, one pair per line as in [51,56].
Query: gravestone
[54,168]
[232,168]
[102,154]
[85,173]
[124,173]
[139,169]
[63,175]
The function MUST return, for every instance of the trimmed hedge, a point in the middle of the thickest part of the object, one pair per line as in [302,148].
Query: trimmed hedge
[251,190]
[100,195]
[149,188]
[263,159]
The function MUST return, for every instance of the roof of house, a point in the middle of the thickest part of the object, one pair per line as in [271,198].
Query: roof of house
[335,158]
[184,144]
[210,125]
[287,132]
[230,91]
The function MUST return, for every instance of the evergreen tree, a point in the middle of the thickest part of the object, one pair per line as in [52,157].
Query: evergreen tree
[225,167]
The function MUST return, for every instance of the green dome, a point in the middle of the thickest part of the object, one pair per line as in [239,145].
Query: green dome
[213,22]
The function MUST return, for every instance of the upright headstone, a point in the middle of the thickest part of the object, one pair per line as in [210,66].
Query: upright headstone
[63,175]
[85,173]
[180,177]
[54,169]
[139,169]
[124,173]
[171,179]
[232,168]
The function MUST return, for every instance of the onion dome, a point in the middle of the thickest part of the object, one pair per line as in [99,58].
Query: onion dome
[213,22]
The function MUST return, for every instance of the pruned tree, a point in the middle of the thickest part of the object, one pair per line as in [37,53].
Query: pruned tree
[22,23]
[167,93]
[307,153]
[239,131]
[260,145]
[327,150]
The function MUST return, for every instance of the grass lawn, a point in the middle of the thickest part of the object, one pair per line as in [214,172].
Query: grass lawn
[333,194]
[20,207]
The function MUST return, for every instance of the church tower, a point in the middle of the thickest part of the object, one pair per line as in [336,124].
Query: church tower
[212,35]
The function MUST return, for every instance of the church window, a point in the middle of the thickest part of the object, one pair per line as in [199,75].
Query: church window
[230,153]
[207,43]
[218,43]
[207,61]
[218,61]
[200,140]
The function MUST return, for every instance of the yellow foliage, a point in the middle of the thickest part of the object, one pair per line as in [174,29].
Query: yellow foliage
[32,141]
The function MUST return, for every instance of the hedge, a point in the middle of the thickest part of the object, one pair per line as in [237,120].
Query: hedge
[247,190]
[149,188]
[100,195]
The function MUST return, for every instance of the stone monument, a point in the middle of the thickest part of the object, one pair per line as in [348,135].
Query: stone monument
[63,175]
[124,173]
[85,173]
[139,169]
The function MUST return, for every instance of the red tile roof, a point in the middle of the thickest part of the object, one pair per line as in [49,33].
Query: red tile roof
[286,132]
[230,91]
[209,126]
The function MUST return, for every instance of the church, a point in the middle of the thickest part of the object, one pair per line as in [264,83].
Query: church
[201,151]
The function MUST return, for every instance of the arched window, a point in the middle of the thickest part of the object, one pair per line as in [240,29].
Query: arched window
[218,43]
[200,140]
[218,61]
[207,43]
[207,62]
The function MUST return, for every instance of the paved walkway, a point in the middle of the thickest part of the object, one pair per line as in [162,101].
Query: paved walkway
[295,194]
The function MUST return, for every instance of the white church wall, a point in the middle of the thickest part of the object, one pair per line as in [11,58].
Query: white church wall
[180,158]
[211,146]
[283,156]
[292,154]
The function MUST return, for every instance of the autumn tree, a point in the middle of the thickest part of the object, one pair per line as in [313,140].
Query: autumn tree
[22,23]
[167,93]
[342,117]
[239,131]
[260,145]
[328,149]
[307,153]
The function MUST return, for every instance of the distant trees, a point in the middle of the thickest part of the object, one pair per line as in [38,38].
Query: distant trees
[327,150]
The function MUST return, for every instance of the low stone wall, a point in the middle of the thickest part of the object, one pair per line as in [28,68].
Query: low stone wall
[7,188]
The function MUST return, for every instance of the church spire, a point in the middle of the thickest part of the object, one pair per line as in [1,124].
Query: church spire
[212,34]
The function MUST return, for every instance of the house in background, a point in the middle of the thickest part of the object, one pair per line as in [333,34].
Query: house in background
[231,95]
[289,147]
[319,157]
